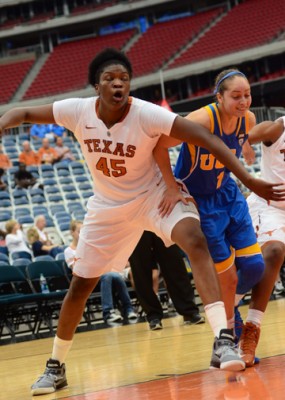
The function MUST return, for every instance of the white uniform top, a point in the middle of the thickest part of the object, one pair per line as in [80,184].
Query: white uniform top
[272,164]
[120,158]
[16,242]
[69,255]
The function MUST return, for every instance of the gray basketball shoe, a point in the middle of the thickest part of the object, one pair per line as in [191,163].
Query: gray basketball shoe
[52,379]
[225,355]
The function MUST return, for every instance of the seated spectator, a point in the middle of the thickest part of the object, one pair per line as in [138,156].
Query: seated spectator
[40,224]
[63,152]
[39,248]
[69,252]
[58,131]
[110,283]
[28,156]
[47,154]
[25,179]
[3,185]
[15,238]
[39,131]
[5,161]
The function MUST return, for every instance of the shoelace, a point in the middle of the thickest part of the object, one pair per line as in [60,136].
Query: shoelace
[227,347]
[249,338]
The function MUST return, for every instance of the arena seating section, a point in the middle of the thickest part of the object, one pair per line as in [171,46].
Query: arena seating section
[68,187]
[66,67]
[230,34]
[14,74]
[158,44]
[163,45]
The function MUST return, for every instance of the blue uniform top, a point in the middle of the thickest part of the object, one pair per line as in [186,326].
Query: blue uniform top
[201,172]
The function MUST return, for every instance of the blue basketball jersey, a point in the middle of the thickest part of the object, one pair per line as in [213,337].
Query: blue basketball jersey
[201,172]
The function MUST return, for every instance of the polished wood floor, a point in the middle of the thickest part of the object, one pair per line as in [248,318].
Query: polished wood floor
[132,363]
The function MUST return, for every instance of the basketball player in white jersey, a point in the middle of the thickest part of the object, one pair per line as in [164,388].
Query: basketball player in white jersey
[117,134]
[269,223]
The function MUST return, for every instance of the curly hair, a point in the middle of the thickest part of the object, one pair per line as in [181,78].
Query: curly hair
[109,56]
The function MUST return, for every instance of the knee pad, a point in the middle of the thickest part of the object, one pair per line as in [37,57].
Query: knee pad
[249,270]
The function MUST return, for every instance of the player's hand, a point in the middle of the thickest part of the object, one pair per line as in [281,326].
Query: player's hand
[170,198]
[268,191]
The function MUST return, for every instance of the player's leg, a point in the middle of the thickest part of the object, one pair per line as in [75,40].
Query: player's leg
[177,281]
[188,235]
[182,226]
[70,315]
[117,240]
[269,222]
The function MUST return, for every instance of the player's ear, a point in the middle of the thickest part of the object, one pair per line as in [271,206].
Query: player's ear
[97,89]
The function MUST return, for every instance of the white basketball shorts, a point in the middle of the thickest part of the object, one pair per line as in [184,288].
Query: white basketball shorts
[268,221]
[110,233]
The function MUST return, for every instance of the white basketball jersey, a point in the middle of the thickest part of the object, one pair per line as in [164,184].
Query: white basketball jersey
[272,163]
[120,159]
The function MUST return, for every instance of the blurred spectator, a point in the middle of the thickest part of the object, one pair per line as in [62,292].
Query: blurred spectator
[15,238]
[111,283]
[58,131]
[63,152]
[47,154]
[28,156]
[5,161]
[39,248]
[3,185]
[25,179]
[39,131]
[69,252]
[40,224]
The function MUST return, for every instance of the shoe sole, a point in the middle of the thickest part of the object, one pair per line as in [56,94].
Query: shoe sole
[39,391]
[233,365]
[201,321]
[156,328]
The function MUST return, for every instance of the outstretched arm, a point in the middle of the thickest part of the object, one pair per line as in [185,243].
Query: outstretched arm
[267,132]
[17,116]
[188,131]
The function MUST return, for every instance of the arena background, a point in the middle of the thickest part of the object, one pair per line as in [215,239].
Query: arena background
[176,48]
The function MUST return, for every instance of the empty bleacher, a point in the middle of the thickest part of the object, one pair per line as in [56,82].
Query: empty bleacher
[164,39]
[262,19]
[66,67]
[12,73]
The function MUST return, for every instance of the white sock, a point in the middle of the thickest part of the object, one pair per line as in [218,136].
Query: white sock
[255,316]
[60,349]
[216,315]
[238,298]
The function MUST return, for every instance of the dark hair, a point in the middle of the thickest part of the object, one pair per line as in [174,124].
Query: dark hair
[222,77]
[109,56]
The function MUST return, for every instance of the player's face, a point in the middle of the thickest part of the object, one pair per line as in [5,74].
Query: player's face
[236,99]
[114,86]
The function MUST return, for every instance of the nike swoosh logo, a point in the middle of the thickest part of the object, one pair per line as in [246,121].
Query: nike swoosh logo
[90,127]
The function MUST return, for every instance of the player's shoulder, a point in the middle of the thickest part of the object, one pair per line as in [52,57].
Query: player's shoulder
[142,104]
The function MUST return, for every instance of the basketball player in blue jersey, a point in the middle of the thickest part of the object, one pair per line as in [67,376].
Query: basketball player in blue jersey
[224,214]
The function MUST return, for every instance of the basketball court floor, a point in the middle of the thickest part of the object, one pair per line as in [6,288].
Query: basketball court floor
[131,362]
